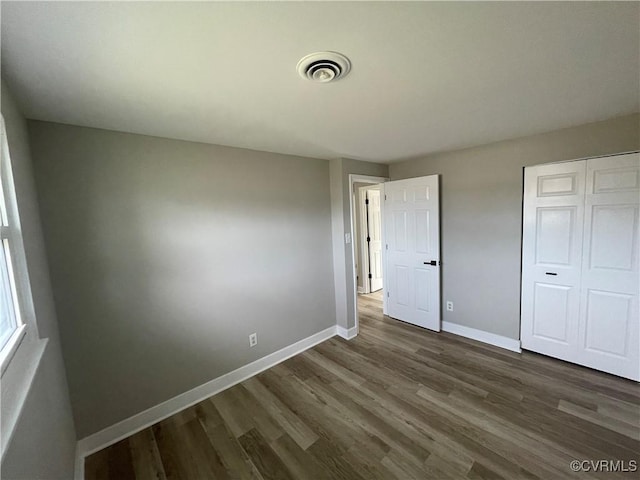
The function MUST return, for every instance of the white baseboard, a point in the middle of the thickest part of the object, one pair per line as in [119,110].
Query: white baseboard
[361,290]
[123,429]
[482,336]
[347,333]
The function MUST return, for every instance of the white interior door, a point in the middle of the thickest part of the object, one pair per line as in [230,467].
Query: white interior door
[375,238]
[608,332]
[412,237]
[552,258]
[361,247]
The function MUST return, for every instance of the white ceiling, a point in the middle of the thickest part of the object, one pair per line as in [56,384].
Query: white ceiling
[426,77]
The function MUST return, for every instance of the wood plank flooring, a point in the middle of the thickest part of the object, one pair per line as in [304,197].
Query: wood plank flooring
[396,402]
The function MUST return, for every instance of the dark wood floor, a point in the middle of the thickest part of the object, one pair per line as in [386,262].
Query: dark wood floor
[395,402]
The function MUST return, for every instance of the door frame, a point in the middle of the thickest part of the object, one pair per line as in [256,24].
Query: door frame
[356,178]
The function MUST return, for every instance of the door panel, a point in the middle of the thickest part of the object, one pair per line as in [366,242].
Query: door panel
[552,258]
[413,242]
[609,328]
[400,232]
[607,322]
[613,231]
[401,285]
[421,193]
[610,180]
[561,184]
[423,242]
[423,284]
[552,301]
[555,232]
[375,238]
[376,271]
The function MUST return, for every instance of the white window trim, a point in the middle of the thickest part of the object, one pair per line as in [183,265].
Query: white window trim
[10,348]
[21,356]
[12,235]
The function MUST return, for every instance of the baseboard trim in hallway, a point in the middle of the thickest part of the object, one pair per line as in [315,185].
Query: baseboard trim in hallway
[142,420]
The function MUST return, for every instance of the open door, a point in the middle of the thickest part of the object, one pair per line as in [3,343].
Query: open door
[412,237]
[374,238]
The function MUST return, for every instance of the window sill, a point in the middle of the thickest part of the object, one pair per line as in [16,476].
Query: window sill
[16,384]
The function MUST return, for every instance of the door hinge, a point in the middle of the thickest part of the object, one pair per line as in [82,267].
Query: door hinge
[370,276]
[368,239]
[385,196]
[386,247]
[366,201]
[387,294]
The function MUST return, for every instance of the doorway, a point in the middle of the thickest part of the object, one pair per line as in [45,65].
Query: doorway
[359,246]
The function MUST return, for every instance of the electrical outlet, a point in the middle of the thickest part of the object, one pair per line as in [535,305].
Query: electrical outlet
[449,306]
[253,339]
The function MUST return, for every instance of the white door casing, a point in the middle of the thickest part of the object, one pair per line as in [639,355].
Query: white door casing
[412,237]
[581,221]
[375,238]
[359,246]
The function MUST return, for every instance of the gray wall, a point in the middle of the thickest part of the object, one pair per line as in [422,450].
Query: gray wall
[481,206]
[165,256]
[44,441]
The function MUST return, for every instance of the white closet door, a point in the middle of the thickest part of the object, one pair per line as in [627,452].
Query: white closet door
[580,263]
[552,258]
[412,235]
[609,333]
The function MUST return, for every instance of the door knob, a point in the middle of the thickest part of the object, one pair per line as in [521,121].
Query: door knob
[432,262]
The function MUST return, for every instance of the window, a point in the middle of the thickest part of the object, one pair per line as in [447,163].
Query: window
[11,324]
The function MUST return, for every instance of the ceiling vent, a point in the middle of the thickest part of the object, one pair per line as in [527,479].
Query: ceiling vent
[324,67]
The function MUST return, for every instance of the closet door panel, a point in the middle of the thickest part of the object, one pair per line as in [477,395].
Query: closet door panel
[607,319]
[609,325]
[552,301]
[552,258]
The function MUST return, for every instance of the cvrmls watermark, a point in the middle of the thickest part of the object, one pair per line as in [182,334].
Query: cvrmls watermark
[604,465]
